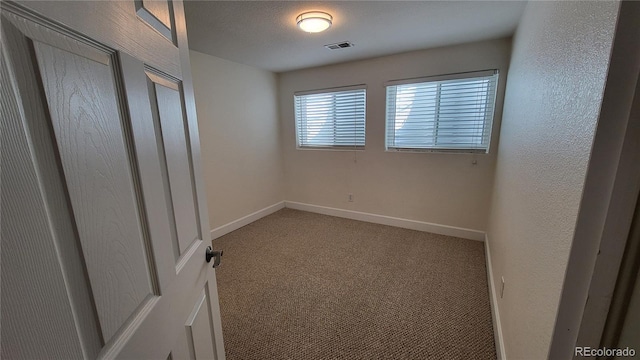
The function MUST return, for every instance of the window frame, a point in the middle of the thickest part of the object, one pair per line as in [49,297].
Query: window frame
[453,76]
[328,91]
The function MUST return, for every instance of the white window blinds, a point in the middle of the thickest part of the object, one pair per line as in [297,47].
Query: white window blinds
[447,113]
[331,119]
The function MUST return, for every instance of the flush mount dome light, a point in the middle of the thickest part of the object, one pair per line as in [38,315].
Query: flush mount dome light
[314,21]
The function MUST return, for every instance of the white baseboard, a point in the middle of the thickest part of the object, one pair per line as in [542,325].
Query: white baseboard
[246,220]
[391,221]
[495,311]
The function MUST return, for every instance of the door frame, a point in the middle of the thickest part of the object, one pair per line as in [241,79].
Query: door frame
[607,207]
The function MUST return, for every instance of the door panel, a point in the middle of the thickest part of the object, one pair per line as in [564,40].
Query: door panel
[156,198]
[86,119]
[157,14]
[199,329]
[159,9]
[197,338]
[44,280]
[104,209]
[22,304]
[170,124]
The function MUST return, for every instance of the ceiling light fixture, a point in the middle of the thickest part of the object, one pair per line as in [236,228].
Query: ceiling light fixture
[314,21]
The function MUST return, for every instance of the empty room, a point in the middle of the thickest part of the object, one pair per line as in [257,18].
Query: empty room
[320,180]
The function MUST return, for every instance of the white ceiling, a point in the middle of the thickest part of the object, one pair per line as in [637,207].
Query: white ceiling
[264,33]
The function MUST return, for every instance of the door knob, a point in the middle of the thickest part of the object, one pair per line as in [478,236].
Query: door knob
[213,254]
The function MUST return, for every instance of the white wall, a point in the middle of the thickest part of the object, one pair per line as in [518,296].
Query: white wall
[444,189]
[558,69]
[239,137]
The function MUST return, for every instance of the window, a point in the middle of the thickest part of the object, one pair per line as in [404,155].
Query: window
[331,119]
[445,113]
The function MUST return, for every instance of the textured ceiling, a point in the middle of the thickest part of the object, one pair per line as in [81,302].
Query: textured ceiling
[264,33]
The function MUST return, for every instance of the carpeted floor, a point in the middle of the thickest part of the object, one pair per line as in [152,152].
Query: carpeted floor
[298,285]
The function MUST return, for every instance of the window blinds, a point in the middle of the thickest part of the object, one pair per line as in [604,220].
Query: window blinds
[333,119]
[449,113]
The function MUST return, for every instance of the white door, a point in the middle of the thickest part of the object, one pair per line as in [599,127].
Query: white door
[104,221]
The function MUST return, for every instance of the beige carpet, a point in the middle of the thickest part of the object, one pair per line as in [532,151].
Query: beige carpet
[298,285]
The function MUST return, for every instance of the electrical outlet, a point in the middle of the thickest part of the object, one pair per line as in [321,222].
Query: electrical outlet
[350,197]
[502,287]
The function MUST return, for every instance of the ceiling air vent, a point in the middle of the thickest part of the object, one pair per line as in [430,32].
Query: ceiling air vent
[340,45]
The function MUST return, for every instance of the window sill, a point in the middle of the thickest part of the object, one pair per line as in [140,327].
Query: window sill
[328,148]
[439,151]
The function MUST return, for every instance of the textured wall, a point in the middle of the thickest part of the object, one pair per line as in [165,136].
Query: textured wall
[438,188]
[240,139]
[558,68]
